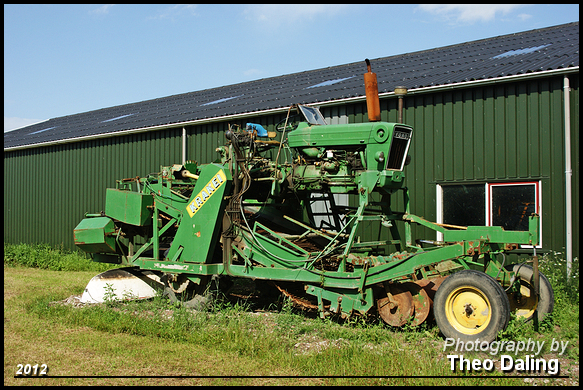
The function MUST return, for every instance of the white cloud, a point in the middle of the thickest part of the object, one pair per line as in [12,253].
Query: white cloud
[290,13]
[103,10]
[177,10]
[13,123]
[469,13]
[252,72]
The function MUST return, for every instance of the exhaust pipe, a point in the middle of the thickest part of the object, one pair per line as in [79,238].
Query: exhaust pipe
[400,92]
[372,95]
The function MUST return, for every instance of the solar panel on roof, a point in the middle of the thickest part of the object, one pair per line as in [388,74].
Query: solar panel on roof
[221,100]
[40,131]
[519,51]
[329,82]
[116,118]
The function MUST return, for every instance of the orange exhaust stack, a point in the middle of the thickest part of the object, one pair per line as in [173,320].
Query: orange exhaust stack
[372,95]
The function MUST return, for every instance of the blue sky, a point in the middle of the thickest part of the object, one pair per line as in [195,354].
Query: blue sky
[66,59]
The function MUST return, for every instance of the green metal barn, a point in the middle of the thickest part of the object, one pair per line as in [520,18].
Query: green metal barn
[496,136]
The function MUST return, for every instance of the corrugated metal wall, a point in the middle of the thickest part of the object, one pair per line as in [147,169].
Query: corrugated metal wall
[49,189]
[506,131]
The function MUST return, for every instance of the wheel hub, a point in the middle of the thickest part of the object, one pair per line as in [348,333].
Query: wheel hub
[468,310]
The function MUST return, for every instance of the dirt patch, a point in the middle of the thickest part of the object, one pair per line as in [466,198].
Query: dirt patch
[311,344]
[73,300]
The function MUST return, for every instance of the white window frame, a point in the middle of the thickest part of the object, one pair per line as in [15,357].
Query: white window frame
[488,203]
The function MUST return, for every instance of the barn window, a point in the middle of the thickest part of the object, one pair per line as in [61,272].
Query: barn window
[464,204]
[491,204]
[511,204]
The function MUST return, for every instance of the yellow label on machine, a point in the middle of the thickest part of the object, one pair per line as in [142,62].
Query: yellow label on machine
[199,200]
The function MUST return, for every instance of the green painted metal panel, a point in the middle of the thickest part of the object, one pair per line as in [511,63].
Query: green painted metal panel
[522,131]
[95,235]
[128,206]
[510,130]
[195,239]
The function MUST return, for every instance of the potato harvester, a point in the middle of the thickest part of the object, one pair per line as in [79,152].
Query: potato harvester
[272,211]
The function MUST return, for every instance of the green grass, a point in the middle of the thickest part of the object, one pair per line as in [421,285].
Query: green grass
[44,256]
[74,346]
[155,337]
[295,344]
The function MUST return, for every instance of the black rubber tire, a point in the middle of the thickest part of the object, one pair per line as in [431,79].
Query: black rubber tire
[546,300]
[464,289]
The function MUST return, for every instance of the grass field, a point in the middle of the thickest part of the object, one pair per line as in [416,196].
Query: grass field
[152,342]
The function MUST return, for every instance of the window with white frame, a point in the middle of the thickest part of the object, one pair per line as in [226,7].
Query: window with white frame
[490,204]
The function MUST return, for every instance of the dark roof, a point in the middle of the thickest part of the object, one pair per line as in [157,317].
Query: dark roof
[538,50]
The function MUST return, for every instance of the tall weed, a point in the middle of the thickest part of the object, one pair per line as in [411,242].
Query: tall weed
[555,269]
[563,322]
[45,256]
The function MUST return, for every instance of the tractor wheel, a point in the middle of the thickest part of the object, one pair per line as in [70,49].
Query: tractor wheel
[471,305]
[525,302]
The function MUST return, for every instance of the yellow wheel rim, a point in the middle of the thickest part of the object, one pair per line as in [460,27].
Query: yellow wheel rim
[524,304]
[468,310]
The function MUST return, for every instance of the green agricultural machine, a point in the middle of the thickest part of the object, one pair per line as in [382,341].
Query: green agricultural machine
[269,211]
